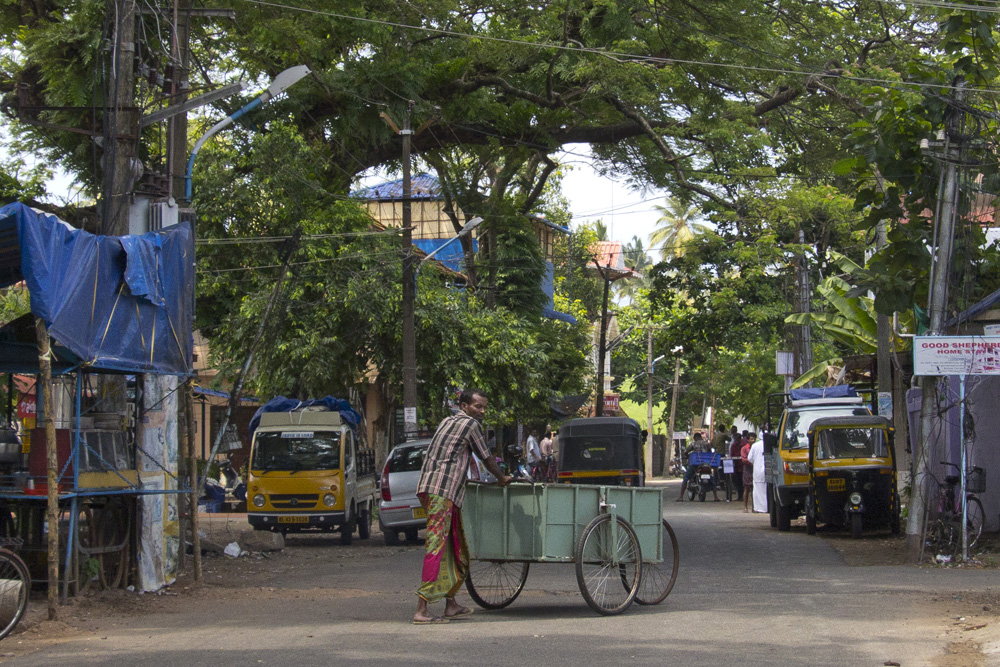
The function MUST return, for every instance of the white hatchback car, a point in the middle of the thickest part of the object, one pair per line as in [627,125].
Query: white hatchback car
[399,510]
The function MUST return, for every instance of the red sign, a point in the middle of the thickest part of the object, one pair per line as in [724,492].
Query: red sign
[26,407]
[611,401]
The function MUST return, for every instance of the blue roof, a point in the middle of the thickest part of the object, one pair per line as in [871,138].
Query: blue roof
[422,186]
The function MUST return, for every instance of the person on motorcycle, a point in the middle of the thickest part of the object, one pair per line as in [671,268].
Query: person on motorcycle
[699,444]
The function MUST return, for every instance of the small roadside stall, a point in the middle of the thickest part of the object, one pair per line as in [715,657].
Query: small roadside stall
[118,311]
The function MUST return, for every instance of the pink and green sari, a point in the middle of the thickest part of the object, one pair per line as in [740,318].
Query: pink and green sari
[446,563]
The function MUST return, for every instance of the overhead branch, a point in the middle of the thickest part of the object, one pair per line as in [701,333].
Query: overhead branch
[536,191]
[668,154]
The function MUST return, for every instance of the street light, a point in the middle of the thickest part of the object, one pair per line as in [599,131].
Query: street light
[279,84]
[469,226]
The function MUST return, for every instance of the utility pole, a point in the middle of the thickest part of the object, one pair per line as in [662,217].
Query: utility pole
[673,413]
[121,122]
[803,350]
[177,125]
[649,404]
[940,271]
[409,326]
[599,401]
[51,461]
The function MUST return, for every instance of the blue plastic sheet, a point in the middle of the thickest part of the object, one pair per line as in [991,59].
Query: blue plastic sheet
[282,404]
[836,391]
[118,303]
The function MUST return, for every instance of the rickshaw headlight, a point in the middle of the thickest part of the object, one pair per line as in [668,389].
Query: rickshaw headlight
[855,498]
[797,468]
[258,500]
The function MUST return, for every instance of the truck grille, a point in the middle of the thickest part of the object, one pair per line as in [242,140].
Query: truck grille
[294,501]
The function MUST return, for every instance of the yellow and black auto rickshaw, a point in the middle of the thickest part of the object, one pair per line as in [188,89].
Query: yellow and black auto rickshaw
[601,450]
[852,475]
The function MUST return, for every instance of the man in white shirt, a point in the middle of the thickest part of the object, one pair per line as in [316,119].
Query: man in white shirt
[532,451]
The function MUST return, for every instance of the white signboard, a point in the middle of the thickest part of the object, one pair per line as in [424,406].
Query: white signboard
[409,415]
[991,329]
[956,355]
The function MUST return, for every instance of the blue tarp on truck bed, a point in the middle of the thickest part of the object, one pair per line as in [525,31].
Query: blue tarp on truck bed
[118,303]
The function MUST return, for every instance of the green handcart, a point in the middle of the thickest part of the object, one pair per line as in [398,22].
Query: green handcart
[622,547]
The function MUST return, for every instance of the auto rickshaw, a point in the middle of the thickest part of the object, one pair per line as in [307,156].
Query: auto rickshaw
[852,474]
[601,450]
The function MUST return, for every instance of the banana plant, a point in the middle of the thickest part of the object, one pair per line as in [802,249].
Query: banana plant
[850,321]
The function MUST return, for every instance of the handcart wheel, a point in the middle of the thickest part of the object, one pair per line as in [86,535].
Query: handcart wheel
[608,564]
[658,578]
[495,584]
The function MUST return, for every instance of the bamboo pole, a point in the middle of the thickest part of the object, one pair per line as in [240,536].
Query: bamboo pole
[193,481]
[51,463]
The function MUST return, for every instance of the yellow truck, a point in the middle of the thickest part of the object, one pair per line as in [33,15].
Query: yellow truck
[309,472]
[786,449]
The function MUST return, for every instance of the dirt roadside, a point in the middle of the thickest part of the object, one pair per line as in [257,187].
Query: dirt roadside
[969,621]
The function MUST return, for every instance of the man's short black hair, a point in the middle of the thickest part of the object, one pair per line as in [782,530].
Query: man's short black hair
[469,394]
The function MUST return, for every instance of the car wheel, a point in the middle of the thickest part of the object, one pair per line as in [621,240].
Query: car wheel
[390,535]
[412,534]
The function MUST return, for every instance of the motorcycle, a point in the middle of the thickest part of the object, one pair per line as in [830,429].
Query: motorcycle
[676,469]
[518,470]
[704,478]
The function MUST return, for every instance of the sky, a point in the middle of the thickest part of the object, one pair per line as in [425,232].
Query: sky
[625,212]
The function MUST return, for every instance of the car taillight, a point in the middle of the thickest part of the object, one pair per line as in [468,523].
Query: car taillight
[386,494]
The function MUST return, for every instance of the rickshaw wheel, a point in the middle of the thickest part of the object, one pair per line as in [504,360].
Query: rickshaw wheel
[495,584]
[770,506]
[810,515]
[856,526]
[607,570]
[658,578]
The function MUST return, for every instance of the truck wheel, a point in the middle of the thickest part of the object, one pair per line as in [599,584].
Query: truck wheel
[770,506]
[783,515]
[347,529]
[365,522]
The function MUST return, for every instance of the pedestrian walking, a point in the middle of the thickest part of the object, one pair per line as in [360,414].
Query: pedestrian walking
[441,490]
[756,459]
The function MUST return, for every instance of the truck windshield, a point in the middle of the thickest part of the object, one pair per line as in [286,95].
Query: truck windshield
[851,443]
[311,450]
[798,423]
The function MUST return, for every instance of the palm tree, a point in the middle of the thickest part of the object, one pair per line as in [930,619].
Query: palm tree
[636,259]
[676,227]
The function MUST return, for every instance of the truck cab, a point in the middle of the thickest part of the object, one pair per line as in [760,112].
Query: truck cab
[786,449]
[307,472]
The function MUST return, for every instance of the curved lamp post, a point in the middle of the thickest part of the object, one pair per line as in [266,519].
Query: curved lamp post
[469,226]
[279,84]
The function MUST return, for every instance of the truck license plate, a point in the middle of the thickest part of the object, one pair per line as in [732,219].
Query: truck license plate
[419,513]
[293,519]
[836,484]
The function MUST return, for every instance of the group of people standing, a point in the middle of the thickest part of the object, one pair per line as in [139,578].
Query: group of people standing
[747,454]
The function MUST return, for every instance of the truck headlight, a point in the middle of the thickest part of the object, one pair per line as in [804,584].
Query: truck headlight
[329,500]
[855,498]
[258,500]
[797,468]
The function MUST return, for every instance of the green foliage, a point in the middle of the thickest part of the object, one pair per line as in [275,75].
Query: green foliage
[14,302]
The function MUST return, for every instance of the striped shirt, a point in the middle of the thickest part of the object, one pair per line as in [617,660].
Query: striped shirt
[446,462]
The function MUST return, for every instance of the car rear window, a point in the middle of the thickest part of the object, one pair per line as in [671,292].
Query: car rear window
[406,459]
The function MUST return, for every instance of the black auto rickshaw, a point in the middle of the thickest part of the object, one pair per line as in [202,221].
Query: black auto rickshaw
[852,474]
[602,450]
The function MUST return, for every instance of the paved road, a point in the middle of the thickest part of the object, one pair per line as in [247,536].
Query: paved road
[745,595]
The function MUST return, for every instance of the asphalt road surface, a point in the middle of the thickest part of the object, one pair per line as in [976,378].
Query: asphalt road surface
[745,595]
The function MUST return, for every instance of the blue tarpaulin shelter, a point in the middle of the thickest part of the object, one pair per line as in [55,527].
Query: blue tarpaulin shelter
[117,303]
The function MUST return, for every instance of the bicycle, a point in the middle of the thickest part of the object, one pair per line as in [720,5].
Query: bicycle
[15,584]
[945,534]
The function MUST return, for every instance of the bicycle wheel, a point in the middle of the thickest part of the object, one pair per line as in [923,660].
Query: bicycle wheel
[658,578]
[15,584]
[608,565]
[943,538]
[974,519]
[495,584]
